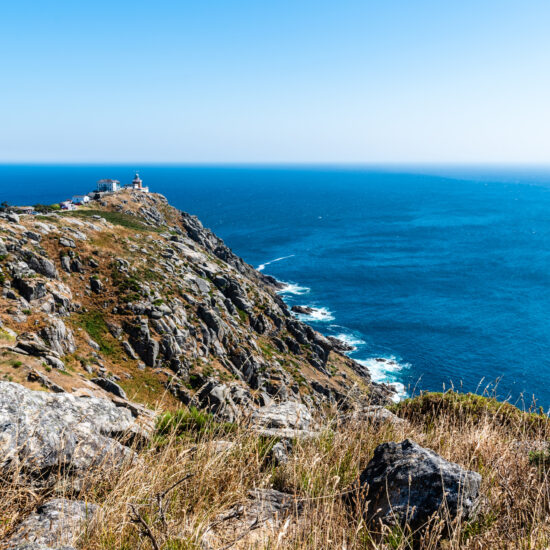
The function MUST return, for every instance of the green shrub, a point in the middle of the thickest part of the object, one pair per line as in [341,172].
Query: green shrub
[467,407]
[192,420]
[242,315]
[94,324]
[46,208]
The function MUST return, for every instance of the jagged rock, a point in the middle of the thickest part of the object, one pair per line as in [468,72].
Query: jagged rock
[405,483]
[298,330]
[259,323]
[339,345]
[293,346]
[233,290]
[142,342]
[212,320]
[376,415]
[66,263]
[251,367]
[179,391]
[41,432]
[169,347]
[64,241]
[35,376]
[216,398]
[280,345]
[280,451]
[93,344]
[41,265]
[96,285]
[58,522]
[283,415]
[182,299]
[304,310]
[115,329]
[32,344]
[76,266]
[129,350]
[110,386]
[55,362]
[271,505]
[31,235]
[59,338]
[30,289]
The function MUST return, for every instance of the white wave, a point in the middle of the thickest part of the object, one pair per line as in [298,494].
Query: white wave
[350,340]
[261,267]
[321,314]
[292,288]
[384,369]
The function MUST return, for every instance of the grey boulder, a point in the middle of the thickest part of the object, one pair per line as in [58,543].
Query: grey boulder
[110,386]
[406,484]
[44,433]
[284,415]
[56,525]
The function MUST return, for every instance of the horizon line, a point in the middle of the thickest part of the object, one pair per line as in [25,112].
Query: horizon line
[284,164]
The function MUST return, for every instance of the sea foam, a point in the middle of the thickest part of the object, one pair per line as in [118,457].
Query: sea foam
[350,339]
[384,369]
[319,314]
[292,288]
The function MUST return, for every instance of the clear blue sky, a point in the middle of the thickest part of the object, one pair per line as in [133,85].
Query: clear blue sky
[279,81]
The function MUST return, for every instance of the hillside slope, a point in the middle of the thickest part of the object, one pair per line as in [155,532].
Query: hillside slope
[139,297]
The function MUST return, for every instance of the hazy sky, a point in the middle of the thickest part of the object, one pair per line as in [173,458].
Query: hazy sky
[275,81]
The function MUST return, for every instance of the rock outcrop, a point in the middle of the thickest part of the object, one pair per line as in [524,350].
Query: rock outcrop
[405,483]
[41,432]
[56,525]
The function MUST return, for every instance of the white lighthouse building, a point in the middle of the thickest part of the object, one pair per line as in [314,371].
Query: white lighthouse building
[137,184]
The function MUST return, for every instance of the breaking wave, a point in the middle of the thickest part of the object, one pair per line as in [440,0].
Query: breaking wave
[319,314]
[292,288]
[261,267]
[384,369]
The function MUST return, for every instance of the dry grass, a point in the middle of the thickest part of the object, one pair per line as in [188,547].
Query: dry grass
[514,509]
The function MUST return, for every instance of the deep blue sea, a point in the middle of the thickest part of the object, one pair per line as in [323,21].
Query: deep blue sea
[445,271]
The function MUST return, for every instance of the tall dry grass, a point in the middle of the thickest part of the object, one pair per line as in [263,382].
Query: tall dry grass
[197,483]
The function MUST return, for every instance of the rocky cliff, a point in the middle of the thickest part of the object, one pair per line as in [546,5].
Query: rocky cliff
[128,296]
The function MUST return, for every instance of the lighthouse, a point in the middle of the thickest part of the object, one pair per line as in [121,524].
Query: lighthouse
[137,184]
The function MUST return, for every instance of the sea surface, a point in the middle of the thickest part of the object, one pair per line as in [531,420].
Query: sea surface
[444,272]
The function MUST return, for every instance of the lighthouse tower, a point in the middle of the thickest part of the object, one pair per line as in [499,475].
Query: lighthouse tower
[136,182]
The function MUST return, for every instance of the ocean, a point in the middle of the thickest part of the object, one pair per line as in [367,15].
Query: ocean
[442,272]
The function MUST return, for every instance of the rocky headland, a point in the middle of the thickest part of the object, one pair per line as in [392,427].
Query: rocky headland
[156,392]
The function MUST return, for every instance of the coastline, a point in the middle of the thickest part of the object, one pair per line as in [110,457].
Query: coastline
[383,369]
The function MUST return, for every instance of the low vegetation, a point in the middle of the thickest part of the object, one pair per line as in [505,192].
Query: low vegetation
[93,322]
[199,482]
[470,407]
[116,218]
